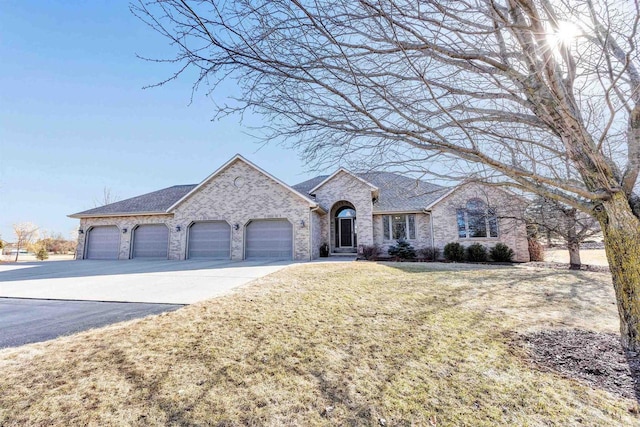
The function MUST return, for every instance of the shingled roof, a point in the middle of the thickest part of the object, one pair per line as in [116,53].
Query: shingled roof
[397,193]
[154,202]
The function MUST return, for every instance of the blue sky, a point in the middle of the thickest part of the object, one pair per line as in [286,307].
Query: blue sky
[75,119]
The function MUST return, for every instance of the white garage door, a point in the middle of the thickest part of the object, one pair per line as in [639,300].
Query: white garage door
[269,238]
[151,241]
[103,242]
[210,240]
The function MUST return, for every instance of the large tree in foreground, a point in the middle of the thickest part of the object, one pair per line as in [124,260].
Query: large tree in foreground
[540,94]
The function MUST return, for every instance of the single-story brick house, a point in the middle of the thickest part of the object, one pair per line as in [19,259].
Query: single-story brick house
[242,212]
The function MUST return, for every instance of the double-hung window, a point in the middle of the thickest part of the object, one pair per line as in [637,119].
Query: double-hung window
[476,220]
[399,226]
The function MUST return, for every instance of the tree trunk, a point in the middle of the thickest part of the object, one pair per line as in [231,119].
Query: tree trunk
[572,240]
[621,230]
[574,255]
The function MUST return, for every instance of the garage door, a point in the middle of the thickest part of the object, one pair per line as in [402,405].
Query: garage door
[103,242]
[210,240]
[269,239]
[151,241]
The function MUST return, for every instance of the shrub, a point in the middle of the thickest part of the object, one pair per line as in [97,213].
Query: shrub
[501,253]
[536,251]
[402,250]
[429,253]
[42,253]
[477,253]
[454,252]
[370,252]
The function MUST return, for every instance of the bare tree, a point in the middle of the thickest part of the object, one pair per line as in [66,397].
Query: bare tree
[107,198]
[25,233]
[565,222]
[542,95]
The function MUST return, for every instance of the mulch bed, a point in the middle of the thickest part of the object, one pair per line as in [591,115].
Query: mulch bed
[595,358]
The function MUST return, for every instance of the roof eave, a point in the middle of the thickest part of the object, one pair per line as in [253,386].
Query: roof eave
[398,211]
[441,198]
[103,215]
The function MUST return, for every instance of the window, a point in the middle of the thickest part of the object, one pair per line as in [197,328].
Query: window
[346,213]
[398,227]
[477,221]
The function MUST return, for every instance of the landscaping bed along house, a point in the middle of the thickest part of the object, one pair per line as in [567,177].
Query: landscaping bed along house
[347,344]
[403,251]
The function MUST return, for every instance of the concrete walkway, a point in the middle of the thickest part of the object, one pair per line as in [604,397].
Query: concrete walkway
[144,281]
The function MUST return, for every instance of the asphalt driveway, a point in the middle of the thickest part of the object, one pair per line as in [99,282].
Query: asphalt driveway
[44,300]
[143,281]
[24,321]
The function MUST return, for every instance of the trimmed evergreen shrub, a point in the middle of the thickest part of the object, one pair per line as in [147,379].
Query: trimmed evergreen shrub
[501,253]
[477,253]
[402,250]
[454,251]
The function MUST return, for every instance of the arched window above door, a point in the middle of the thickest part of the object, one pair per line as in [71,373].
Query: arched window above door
[346,212]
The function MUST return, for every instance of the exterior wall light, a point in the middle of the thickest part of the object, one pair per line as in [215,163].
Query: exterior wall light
[302,223]
[178,228]
[80,231]
[124,230]
[236,227]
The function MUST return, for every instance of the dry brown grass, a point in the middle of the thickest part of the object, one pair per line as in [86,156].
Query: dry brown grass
[327,344]
[587,256]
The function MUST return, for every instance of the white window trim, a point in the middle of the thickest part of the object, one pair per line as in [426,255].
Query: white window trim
[390,229]
[486,223]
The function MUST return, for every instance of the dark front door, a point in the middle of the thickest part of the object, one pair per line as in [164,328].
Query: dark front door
[346,232]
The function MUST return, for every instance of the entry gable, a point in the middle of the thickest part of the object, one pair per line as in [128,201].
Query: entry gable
[232,161]
[338,172]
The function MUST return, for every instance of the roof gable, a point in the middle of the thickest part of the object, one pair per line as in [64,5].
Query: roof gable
[234,159]
[336,173]
[518,198]
[396,193]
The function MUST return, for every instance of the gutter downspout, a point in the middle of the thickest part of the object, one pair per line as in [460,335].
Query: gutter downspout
[433,244]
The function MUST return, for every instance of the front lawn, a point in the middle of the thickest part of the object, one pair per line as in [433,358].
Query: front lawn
[330,344]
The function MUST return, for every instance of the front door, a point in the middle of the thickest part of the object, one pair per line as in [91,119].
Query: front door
[345,232]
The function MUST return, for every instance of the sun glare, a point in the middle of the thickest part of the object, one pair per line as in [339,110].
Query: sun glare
[566,32]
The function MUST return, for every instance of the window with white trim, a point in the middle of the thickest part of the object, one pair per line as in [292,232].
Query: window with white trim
[399,226]
[476,220]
